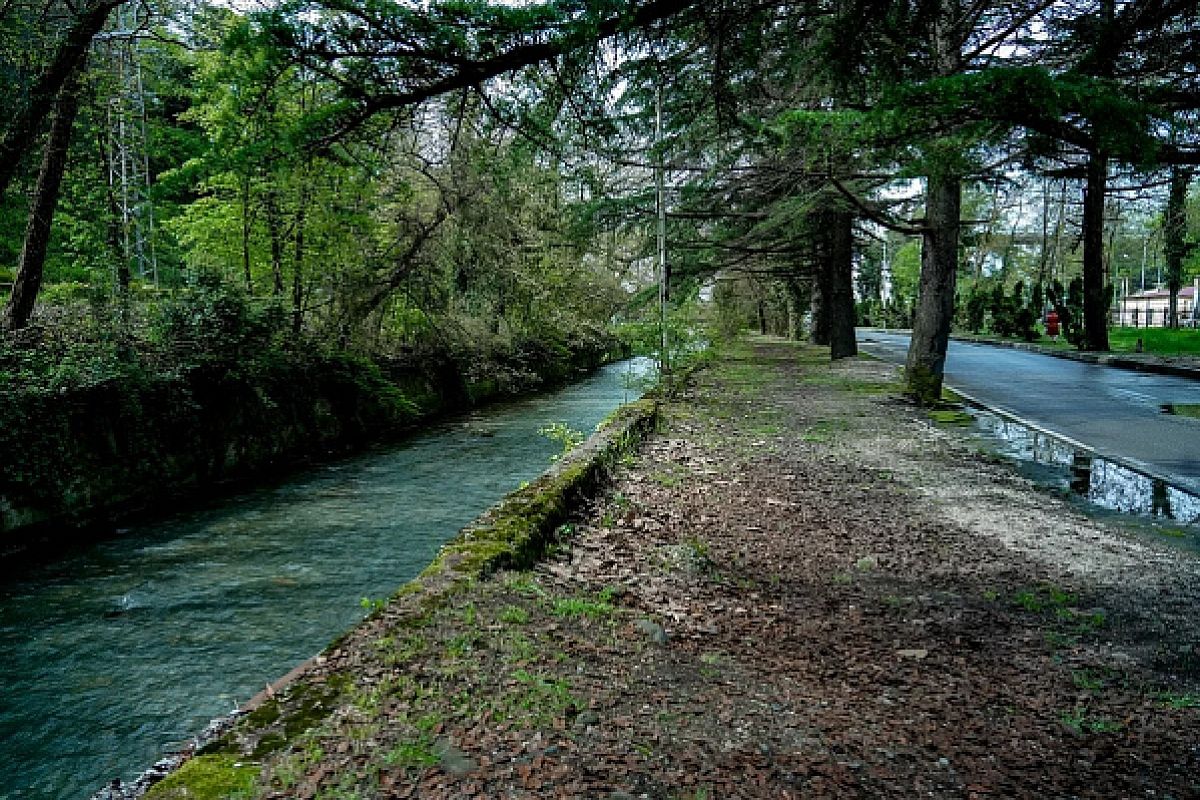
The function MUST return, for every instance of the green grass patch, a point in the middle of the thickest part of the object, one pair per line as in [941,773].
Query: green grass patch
[824,431]
[1043,598]
[514,615]
[524,584]
[546,697]
[1088,680]
[415,754]
[1080,722]
[1159,341]
[212,777]
[591,608]
[951,416]
[518,647]
[952,397]
[1186,410]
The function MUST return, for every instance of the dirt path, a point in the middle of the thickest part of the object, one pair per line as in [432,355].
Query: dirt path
[800,588]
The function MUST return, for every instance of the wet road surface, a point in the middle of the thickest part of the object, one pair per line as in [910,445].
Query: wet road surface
[1115,412]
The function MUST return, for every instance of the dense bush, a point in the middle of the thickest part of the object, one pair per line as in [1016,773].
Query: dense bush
[1012,314]
[1068,304]
[974,310]
[213,322]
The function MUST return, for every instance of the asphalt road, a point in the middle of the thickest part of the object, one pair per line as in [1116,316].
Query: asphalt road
[1115,412]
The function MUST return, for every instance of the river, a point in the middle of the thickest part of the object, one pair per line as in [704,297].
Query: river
[118,651]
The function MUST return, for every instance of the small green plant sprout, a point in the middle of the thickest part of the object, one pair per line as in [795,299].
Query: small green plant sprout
[1079,722]
[370,605]
[1044,598]
[549,697]
[583,607]
[461,645]
[514,615]
[1180,700]
[416,753]
[567,437]
[524,584]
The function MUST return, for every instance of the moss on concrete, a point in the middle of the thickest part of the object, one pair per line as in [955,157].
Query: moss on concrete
[209,777]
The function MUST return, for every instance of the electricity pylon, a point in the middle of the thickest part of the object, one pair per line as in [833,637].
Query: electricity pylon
[128,152]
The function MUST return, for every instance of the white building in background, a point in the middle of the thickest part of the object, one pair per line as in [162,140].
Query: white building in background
[1148,308]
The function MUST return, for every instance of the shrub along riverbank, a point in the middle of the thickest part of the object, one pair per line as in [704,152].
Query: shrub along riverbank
[93,427]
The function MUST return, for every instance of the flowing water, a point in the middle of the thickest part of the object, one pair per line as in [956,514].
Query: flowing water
[118,651]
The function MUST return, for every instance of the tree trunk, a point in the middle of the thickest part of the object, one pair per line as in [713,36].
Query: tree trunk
[840,301]
[21,130]
[795,302]
[41,214]
[820,289]
[1095,301]
[1175,239]
[276,235]
[247,230]
[298,259]
[926,361]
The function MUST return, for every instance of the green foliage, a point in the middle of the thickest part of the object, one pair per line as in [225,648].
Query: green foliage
[372,605]
[1032,97]
[1011,314]
[514,615]
[1044,598]
[1069,306]
[975,309]
[1080,722]
[567,437]
[215,323]
[414,754]
[906,272]
[1180,700]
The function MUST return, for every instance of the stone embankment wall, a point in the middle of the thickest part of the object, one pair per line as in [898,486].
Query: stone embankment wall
[95,453]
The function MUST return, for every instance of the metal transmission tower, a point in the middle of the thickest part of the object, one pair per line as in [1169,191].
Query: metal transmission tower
[128,154]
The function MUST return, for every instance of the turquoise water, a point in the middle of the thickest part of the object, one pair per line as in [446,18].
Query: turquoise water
[117,652]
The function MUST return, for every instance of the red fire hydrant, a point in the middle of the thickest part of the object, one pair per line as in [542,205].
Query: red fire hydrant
[1052,325]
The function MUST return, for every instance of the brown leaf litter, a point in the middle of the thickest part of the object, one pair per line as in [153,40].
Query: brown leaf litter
[799,588]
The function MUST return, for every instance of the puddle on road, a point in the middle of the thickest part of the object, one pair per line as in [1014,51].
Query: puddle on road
[1103,483]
